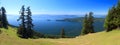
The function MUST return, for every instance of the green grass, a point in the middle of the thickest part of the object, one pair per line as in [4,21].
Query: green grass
[9,37]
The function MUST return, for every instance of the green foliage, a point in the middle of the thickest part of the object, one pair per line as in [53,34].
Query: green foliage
[22,30]
[1,24]
[63,33]
[85,26]
[51,36]
[112,20]
[3,18]
[90,21]
[0,31]
[88,24]
[29,24]
[25,28]
[0,15]
[37,35]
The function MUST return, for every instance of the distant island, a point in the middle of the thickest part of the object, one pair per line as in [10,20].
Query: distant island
[80,19]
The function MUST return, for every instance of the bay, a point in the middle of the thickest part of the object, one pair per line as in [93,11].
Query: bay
[47,24]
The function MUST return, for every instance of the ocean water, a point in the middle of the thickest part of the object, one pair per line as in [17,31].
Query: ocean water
[47,24]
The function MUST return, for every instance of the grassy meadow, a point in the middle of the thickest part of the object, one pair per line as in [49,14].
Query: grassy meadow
[9,37]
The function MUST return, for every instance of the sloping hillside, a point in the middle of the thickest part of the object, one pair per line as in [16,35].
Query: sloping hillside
[9,37]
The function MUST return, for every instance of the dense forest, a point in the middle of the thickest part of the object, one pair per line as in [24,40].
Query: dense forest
[112,20]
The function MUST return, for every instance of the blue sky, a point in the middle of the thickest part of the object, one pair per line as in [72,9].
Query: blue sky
[72,7]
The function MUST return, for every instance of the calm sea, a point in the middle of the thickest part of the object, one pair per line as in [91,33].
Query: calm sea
[47,24]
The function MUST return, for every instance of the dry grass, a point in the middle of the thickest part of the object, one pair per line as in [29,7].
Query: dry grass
[9,37]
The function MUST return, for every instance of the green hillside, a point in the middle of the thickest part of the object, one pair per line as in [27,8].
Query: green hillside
[9,37]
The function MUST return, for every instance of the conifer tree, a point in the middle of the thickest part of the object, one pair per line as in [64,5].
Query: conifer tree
[29,23]
[85,26]
[63,33]
[112,20]
[109,21]
[91,21]
[88,24]
[25,28]
[22,17]
[4,18]
[0,18]
[0,15]
[22,30]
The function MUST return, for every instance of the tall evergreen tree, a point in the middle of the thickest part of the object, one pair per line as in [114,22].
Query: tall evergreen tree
[29,23]
[22,30]
[91,21]
[25,28]
[0,18]
[63,33]
[85,26]
[117,15]
[108,21]
[22,17]
[0,15]
[4,18]
[88,24]
[112,20]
